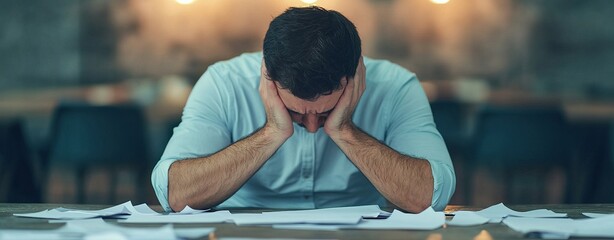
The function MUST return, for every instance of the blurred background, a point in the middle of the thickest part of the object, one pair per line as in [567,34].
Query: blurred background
[521,90]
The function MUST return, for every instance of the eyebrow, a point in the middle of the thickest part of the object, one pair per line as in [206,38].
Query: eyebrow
[326,112]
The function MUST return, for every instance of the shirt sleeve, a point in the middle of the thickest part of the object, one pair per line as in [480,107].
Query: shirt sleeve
[412,132]
[202,131]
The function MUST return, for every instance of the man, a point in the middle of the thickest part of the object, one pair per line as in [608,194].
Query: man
[305,125]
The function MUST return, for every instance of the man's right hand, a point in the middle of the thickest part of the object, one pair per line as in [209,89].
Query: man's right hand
[278,121]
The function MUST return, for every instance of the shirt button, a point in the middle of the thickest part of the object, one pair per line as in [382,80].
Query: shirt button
[306,197]
[306,175]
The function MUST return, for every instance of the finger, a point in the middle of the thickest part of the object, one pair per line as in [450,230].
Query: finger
[272,88]
[363,77]
[263,78]
[346,96]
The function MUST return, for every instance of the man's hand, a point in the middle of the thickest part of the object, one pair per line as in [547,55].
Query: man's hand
[340,119]
[278,121]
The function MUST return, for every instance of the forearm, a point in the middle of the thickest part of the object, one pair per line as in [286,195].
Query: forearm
[405,181]
[207,181]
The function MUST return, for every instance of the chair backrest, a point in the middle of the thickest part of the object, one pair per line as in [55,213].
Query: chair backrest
[84,135]
[451,120]
[18,179]
[517,136]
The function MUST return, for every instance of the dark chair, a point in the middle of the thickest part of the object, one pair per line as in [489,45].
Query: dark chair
[451,119]
[520,146]
[85,137]
[18,181]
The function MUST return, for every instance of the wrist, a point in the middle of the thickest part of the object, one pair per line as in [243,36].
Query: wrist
[344,133]
[275,135]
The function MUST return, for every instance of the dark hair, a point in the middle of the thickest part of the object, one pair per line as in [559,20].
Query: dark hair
[309,50]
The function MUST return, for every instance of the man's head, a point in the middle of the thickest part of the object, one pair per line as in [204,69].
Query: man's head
[310,53]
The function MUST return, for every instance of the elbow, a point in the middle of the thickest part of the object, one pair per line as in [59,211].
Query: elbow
[175,202]
[415,205]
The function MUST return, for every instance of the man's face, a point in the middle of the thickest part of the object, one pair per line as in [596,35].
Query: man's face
[310,114]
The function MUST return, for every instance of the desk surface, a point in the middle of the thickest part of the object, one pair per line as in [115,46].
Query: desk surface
[483,232]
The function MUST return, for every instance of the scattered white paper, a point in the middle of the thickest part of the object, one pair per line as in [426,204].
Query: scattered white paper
[124,208]
[563,228]
[119,211]
[426,220]
[496,213]
[66,214]
[594,227]
[206,217]
[467,218]
[554,227]
[94,229]
[329,216]
[55,214]
[367,211]
[144,209]
[315,218]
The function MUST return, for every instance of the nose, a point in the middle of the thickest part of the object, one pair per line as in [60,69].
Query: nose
[310,121]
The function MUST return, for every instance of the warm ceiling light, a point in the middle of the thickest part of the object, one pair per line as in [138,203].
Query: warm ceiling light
[440,1]
[185,2]
[309,1]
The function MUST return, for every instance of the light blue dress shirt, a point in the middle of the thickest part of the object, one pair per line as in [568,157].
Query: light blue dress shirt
[308,170]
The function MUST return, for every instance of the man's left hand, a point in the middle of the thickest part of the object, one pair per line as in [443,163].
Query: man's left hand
[340,119]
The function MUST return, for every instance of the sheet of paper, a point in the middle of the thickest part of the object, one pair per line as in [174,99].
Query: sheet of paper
[562,228]
[496,213]
[594,227]
[99,229]
[426,220]
[144,209]
[94,229]
[124,208]
[55,214]
[206,217]
[329,216]
[467,218]
[314,217]
[367,211]
[119,211]
[65,213]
